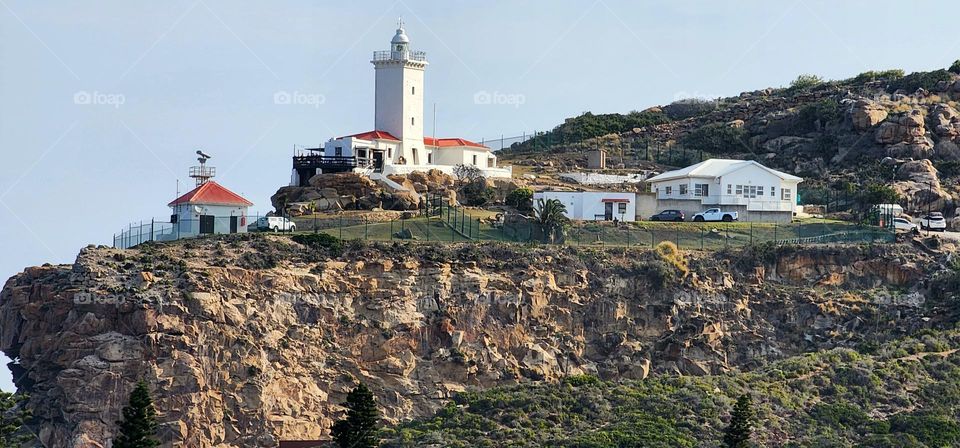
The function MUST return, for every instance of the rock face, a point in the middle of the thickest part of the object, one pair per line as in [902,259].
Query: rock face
[248,340]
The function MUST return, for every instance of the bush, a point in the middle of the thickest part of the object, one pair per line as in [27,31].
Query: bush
[889,75]
[321,241]
[931,429]
[814,117]
[920,80]
[955,68]
[716,138]
[477,193]
[521,198]
[671,254]
[689,108]
[806,81]
[589,125]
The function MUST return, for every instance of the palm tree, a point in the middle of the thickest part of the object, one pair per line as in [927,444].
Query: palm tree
[551,216]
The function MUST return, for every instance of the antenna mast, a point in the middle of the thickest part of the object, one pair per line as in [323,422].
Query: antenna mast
[202,173]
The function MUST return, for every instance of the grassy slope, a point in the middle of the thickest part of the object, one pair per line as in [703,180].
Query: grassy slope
[905,393]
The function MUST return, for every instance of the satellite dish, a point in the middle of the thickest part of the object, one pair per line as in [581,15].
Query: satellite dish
[197,209]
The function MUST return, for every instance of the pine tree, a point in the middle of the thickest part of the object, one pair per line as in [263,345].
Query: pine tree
[13,415]
[359,428]
[138,429]
[737,435]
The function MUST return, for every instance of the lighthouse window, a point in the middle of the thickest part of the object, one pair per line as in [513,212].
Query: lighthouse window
[413,90]
[411,121]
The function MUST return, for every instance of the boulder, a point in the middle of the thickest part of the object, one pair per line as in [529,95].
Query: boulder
[867,114]
[945,121]
[919,185]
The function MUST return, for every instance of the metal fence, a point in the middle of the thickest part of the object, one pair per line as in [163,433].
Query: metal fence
[439,221]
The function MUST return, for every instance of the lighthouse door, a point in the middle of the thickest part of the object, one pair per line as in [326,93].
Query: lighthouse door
[378,161]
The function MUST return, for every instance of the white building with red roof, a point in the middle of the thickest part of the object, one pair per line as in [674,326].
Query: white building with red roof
[397,144]
[208,209]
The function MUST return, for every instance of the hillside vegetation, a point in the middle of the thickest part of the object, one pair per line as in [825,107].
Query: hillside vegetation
[879,127]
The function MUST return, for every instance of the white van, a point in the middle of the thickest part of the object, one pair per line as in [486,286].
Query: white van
[275,224]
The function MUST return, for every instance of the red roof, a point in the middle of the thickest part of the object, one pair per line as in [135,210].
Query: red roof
[373,135]
[211,193]
[445,142]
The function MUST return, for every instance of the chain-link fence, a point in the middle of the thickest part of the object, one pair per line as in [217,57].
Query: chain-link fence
[440,221]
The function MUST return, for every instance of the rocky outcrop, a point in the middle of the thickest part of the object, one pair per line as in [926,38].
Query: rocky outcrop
[866,114]
[917,182]
[945,121]
[247,340]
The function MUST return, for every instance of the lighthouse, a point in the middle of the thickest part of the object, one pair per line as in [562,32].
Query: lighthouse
[398,105]
[396,145]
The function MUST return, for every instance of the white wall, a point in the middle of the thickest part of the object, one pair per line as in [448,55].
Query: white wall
[398,99]
[189,219]
[457,155]
[748,176]
[589,205]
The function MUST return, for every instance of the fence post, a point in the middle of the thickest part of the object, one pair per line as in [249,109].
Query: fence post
[774,232]
[701,237]
[341,227]
[651,238]
[151,228]
[799,233]
[366,228]
[726,239]
[751,233]
[678,236]
[391,230]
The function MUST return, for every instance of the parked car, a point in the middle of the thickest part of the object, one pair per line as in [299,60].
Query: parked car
[715,214]
[933,221]
[668,215]
[903,224]
[275,224]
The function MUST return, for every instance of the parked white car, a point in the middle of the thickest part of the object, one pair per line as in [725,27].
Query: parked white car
[715,214]
[903,224]
[933,221]
[275,224]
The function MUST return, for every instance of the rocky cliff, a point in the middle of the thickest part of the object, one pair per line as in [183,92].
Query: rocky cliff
[246,341]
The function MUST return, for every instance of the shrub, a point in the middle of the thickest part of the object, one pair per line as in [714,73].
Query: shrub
[814,117]
[321,241]
[581,380]
[671,254]
[806,81]
[689,108]
[872,75]
[521,198]
[920,80]
[931,429]
[477,193]
[955,68]
[716,138]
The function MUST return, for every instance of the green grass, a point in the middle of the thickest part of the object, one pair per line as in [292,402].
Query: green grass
[686,235]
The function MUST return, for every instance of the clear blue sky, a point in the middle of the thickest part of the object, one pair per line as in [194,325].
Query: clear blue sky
[203,74]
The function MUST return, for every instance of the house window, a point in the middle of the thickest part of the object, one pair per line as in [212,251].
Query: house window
[701,190]
[739,190]
[622,208]
[773,191]
[785,194]
[430,157]
[683,189]
[338,151]
[759,190]
[390,153]
[729,189]
[669,190]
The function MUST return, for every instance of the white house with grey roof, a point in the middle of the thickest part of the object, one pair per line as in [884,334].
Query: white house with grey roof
[757,192]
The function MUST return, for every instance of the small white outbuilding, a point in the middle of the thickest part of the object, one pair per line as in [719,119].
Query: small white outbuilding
[594,205]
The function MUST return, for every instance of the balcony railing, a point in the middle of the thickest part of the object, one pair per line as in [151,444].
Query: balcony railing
[419,56]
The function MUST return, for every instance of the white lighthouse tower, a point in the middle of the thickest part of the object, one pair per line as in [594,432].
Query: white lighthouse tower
[399,97]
